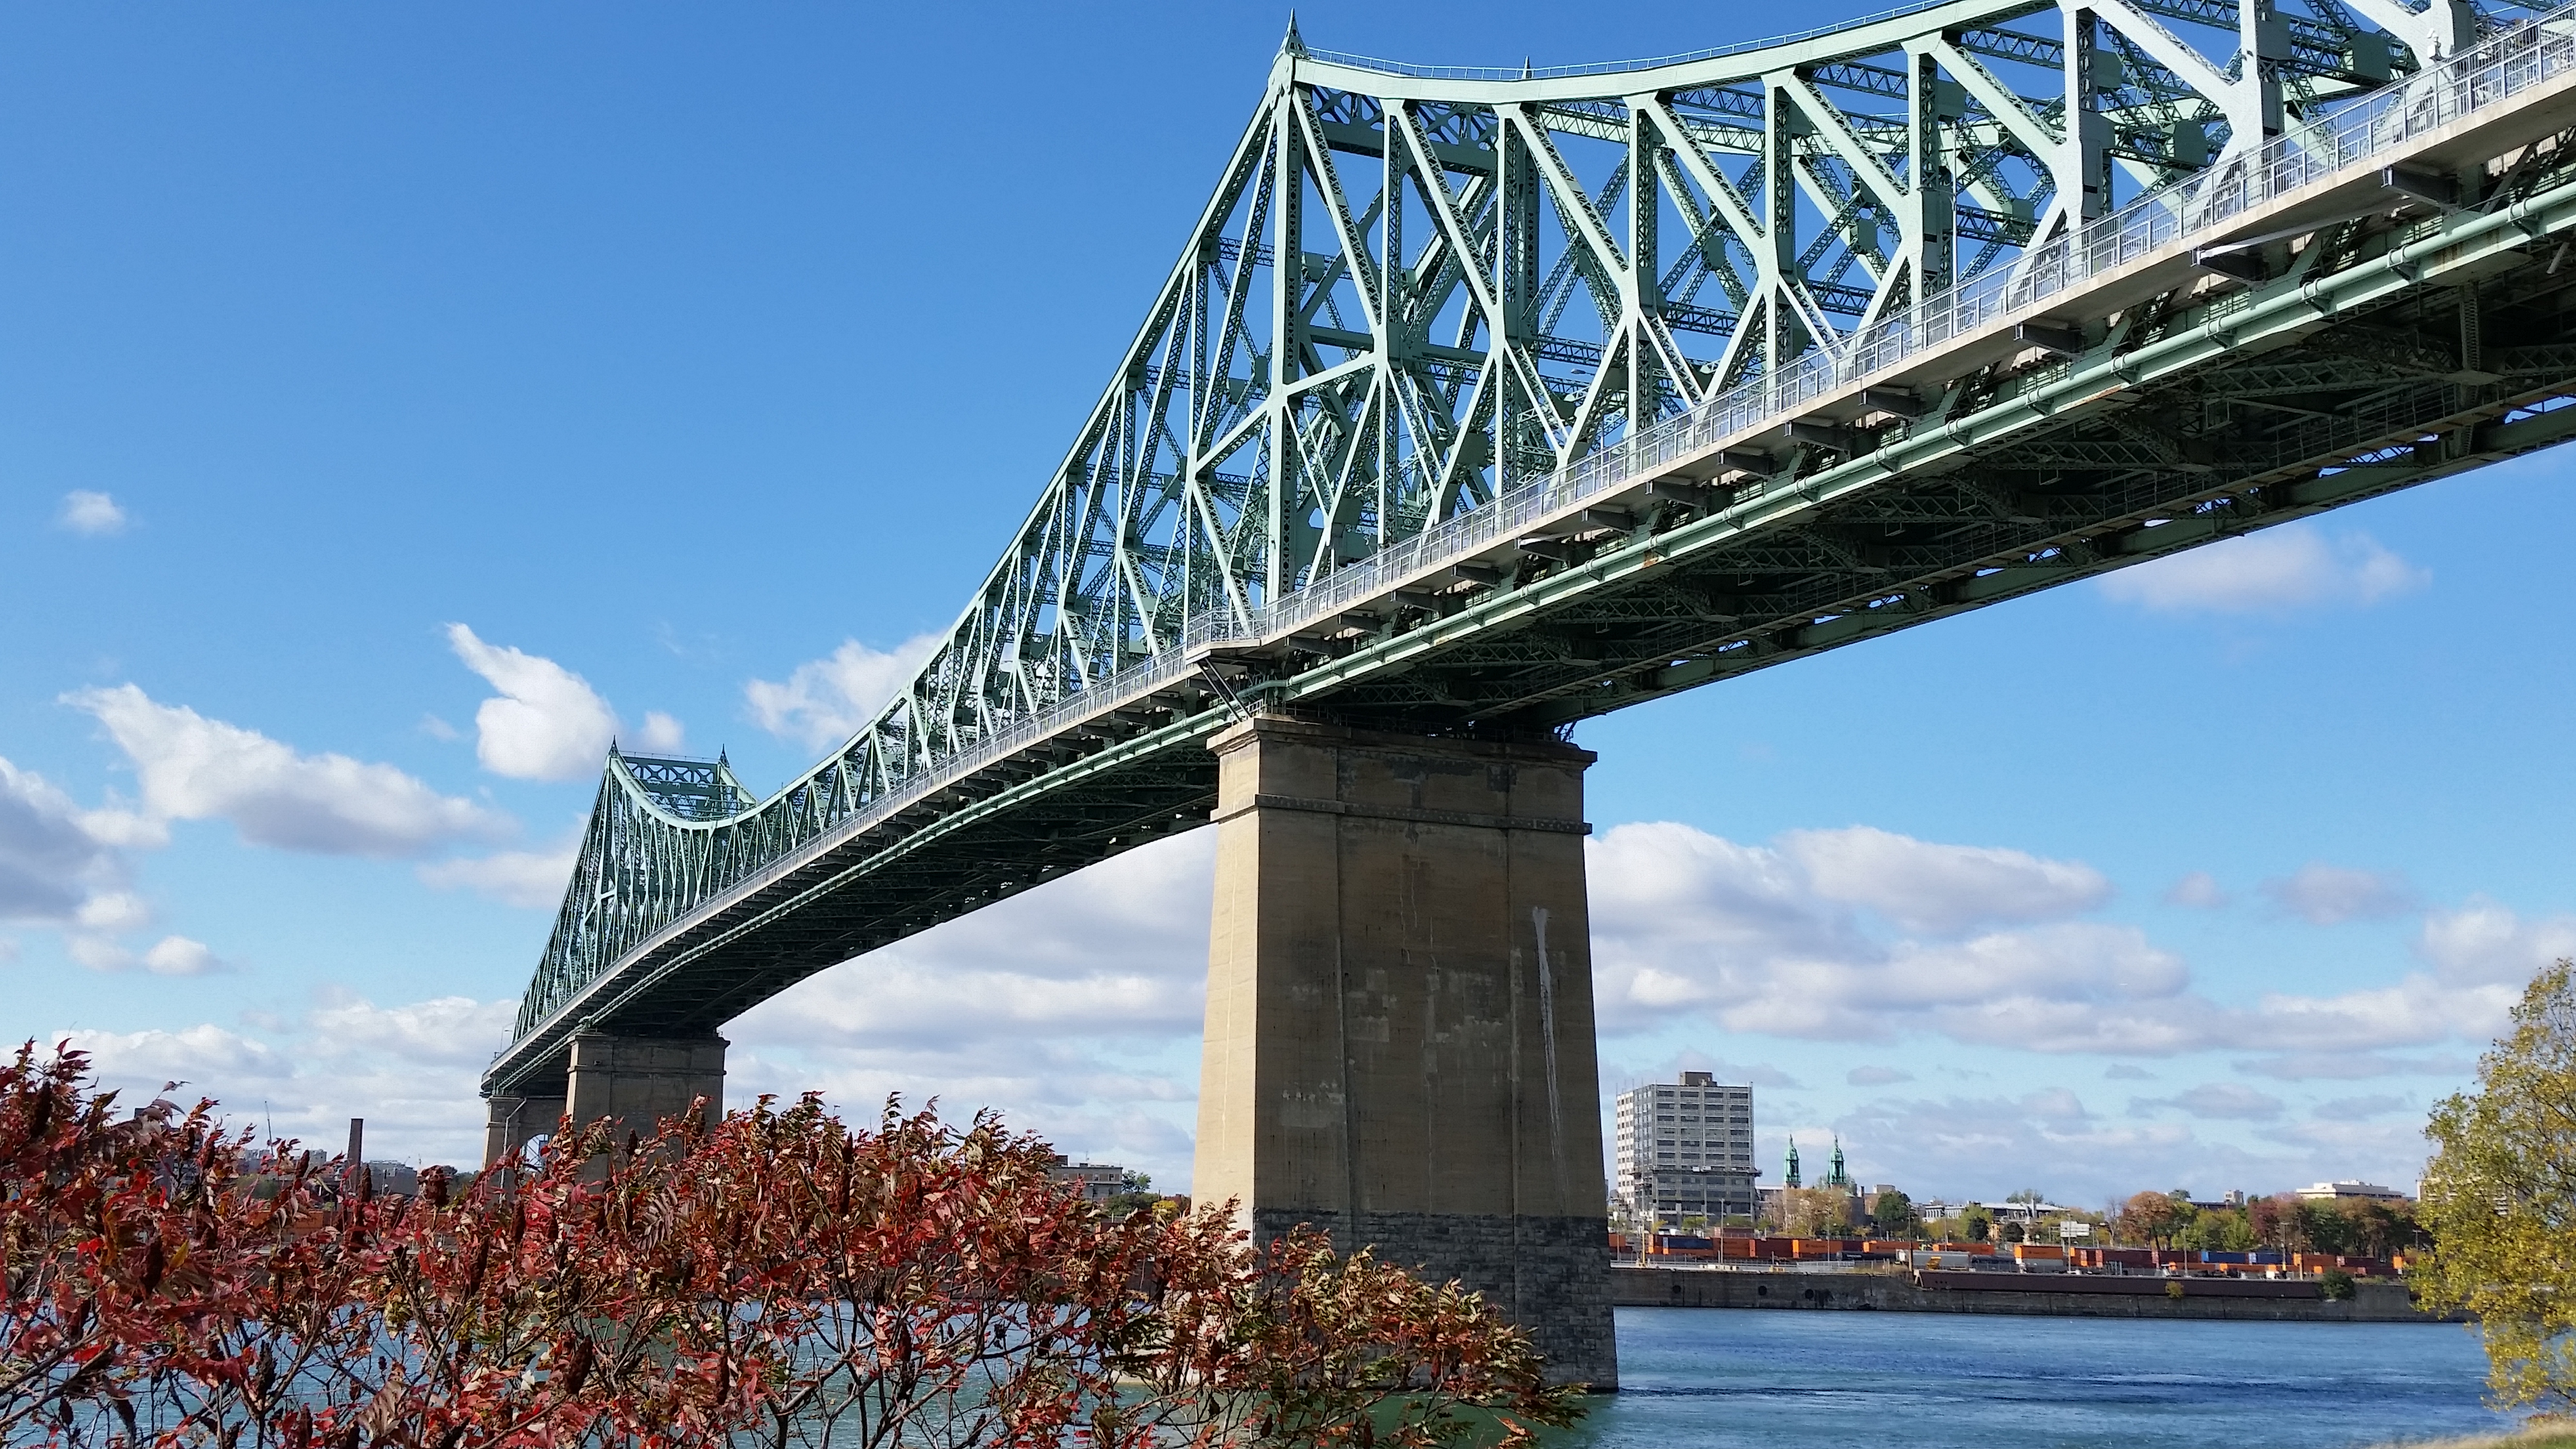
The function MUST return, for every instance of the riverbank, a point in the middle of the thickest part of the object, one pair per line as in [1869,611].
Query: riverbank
[2037,1295]
[2549,1437]
[2526,1440]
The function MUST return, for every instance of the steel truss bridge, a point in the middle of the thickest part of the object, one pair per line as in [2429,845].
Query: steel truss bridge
[1485,402]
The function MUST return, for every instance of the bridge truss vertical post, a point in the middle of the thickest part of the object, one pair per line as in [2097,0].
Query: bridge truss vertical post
[1399,1041]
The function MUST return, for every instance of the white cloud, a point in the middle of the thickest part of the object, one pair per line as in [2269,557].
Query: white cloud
[1685,922]
[1940,889]
[2329,895]
[1750,1074]
[530,879]
[2351,1066]
[2199,891]
[1622,1076]
[410,1070]
[546,723]
[2485,943]
[2359,1109]
[169,956]
[180,956]
[661,735]
[2287,567]
[1764,939]
[91,515]
[2219,1101]
[194,768]
[447,1031]
[216,1062]
[51,861]
[1979,1146]
[1876,1076]
[2125,1072]
[824,701]
[113,911]
[97,953]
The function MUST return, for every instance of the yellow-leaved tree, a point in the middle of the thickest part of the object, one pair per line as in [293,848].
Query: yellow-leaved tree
[2500,1200]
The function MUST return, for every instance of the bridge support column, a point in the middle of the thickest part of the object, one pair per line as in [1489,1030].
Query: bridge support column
[1399,1038]
[513,1121]
[637,1081]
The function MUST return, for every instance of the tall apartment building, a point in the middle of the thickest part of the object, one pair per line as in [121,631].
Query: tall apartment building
[1685,1149]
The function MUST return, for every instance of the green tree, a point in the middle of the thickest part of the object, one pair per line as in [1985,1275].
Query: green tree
[2326,1229]
[2500,1201]
[1895,1215]
[2223,1230]
[1977,1223]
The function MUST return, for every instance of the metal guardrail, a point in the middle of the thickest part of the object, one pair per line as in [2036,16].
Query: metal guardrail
[2360,135]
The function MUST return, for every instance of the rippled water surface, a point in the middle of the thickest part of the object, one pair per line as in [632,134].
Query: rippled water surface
[1851,1380]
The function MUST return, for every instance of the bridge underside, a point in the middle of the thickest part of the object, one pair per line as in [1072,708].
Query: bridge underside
[2296,414]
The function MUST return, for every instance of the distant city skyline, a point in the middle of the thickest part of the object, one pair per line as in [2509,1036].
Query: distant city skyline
[405,404]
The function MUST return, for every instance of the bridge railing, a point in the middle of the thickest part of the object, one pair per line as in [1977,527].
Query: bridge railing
[2487,75]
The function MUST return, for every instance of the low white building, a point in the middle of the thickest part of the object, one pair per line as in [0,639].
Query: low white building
[2330,1191]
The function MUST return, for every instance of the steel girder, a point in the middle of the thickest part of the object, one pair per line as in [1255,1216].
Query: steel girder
[1507,287]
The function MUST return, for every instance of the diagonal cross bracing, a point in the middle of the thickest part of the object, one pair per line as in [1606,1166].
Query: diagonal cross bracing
[1479,404]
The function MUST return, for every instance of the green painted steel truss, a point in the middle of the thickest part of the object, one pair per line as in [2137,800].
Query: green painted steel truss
[1578,388]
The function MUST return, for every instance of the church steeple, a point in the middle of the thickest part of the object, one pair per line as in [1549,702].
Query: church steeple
[1790,1178]
[1837,1176]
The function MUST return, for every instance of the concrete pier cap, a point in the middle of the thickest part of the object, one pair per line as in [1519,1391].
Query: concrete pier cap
[1399,1042]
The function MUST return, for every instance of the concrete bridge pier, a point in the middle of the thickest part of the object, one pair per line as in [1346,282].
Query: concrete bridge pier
[634,1081]
[1399,1038]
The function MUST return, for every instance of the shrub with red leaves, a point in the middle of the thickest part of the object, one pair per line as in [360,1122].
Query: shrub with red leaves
[776,1279]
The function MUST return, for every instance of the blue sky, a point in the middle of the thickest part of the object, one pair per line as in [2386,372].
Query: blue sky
[395,401]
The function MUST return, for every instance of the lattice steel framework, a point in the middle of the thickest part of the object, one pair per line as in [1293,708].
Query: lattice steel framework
[1416,291]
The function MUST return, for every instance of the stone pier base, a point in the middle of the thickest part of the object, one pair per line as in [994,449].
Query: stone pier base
[1399,1032]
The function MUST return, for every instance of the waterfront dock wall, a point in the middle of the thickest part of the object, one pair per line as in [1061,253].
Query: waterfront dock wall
[2054,1296]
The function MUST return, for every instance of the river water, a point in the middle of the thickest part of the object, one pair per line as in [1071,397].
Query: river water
[1743,1379]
